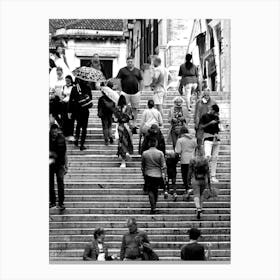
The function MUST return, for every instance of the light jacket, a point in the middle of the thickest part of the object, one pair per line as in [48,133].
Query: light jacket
[185,147]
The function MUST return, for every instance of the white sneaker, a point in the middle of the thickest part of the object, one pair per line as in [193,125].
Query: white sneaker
[214,180]
[123,165]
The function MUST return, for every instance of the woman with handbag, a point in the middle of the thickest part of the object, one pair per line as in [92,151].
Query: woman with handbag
[178,117]
[79,104]
[123,115]
[199,176]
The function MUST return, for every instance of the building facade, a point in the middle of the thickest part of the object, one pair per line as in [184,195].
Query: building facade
[84,37]
[171,39]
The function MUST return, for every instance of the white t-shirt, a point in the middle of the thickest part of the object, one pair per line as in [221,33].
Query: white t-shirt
[151,116]
[101,255]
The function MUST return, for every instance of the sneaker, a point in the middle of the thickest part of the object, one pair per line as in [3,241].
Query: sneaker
[111,140]
[175,197]
[61,207]
[123,165]
[214,180]
[127,156]
[82,148]
[52,205]
[165,195]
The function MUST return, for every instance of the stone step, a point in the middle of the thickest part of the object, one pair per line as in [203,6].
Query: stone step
[100,191]
[117,245]
[153,218]
[150,231]
[115,164]
[133,185]
[160,252]
[135,211]
[85,158]
[134,202]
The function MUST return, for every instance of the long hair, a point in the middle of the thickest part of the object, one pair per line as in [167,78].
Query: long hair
[122,101]
[57,54]
[188,61]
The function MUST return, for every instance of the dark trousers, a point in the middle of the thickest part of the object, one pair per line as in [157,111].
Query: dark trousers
[153,183]
[68,124]
[82,123]
[59,171]
[185,171]
[107,127]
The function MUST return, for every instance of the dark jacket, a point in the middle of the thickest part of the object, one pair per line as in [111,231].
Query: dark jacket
[105,107]
[91,252]
[58,149]
[131,243]
[74,106]
[201,109]
[193,252]
[160,139]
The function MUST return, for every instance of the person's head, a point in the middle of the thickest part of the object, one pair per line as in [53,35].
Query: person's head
[188,57]
[178,101]
[206,95]
[130,62]
[122,101]
[54,130]
[153,142]
[59,72]
[95,58]
[215,109]
[153,130]
[151,104]
[132,225]
[59,50]
[194,233]
[99,234]
[157,61]
[184,130]
[69,80]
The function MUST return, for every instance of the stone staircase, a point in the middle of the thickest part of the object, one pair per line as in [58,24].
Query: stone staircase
[99,193]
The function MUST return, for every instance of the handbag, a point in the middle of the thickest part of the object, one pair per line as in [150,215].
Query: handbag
[210,192]
[84,100]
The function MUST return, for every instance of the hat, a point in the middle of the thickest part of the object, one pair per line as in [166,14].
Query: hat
[178,101]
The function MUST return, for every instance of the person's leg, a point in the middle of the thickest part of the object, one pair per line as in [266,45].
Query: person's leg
[52,197]
[84,127]
[174,138]
[110,133]
[208,149]
[105,129]
[60,171]
[78,129]
[214,159]
[135,99]
[184,171]
[187,93]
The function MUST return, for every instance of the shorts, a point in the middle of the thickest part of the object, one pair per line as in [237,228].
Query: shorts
[158,97]
[132,99]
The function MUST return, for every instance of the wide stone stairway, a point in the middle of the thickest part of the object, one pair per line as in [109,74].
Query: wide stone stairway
[98,193]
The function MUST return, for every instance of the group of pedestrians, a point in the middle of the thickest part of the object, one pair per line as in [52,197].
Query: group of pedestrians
[136,246]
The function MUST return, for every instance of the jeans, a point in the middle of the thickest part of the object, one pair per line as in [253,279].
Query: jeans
[187,90]
[82,123]
[211,149]
[153,183]
[174,138]
[107,127]
[59,171]
[185,173]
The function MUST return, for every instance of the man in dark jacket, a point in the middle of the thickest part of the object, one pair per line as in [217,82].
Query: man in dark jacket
[79,110]
[105,109]
[194,251]
[57,165]
[131,248]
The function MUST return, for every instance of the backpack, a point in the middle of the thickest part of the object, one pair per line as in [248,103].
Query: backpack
[200,169]
[109,105]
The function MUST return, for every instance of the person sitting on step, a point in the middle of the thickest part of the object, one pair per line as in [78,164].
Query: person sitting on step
[97,250]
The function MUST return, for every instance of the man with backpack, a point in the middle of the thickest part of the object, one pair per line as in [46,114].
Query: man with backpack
[105,109]
[199,176]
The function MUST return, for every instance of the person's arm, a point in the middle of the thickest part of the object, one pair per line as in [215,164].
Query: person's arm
[191,170]
[207,124]
[163,166]
[208,174]
[99,107]
[178,148]
[65,61]
[160,120]
[141,82]
[122,252]
[143,164]
[208,252]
